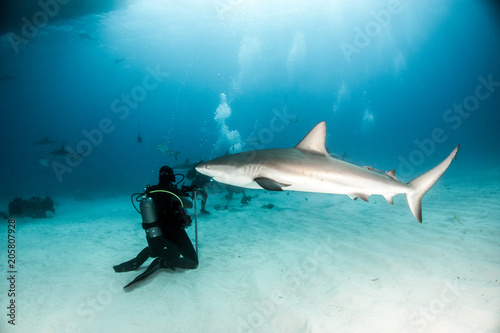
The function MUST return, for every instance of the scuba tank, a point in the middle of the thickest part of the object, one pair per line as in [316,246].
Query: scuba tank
[154,235]
[150,224]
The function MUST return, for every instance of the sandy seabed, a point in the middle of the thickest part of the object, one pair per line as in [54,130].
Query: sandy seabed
[313,263]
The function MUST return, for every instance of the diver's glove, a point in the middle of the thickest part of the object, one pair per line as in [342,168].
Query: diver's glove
[135,263]
[189,190]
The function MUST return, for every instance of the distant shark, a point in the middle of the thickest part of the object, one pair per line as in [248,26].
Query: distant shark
[46,141]
[164,149]
[184,166]
[85,35]
[308,167]
[63,152]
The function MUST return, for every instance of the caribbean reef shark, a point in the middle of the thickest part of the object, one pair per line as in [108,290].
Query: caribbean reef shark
[308,167]
[46,141]
[167,151]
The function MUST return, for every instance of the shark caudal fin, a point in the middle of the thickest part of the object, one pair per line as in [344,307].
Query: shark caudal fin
[420,185]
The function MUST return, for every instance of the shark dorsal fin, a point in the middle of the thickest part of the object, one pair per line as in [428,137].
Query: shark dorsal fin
[314,141]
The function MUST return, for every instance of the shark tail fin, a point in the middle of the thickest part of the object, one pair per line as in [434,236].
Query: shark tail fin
[420,185]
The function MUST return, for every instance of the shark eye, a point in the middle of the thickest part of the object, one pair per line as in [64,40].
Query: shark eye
[207,167]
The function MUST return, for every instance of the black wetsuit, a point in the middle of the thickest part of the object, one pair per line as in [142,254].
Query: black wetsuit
[172,224]
[174,242]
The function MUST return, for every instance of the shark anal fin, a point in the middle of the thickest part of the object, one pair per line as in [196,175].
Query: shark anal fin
[389,197]
[269,184]
[362,196]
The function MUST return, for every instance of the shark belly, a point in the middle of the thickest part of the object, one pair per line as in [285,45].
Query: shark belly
[324,174]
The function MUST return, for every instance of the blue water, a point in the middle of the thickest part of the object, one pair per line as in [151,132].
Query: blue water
[384,75]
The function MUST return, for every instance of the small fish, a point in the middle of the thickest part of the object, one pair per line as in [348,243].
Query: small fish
[139,138]
[455,217]
[220,207]
[44,162]
[268,206]
[245,199]
[84,35]
[118,60]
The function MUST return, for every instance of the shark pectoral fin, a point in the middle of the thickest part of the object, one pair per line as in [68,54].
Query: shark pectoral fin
[362,196]
[269,184]
[389,197]
[353,197]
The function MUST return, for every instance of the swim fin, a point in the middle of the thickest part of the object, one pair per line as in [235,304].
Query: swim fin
[150,270]
[135,263]
[167,259]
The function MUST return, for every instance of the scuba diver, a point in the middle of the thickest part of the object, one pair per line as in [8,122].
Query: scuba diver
[164,219]
[199,181]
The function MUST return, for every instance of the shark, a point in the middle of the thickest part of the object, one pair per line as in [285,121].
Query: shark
[63,152]
[184,166]
[85,35]
[46,141]
[308,167]
[167,151]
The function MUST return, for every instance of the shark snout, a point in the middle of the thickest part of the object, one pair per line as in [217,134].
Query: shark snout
[215,171]
[203,168]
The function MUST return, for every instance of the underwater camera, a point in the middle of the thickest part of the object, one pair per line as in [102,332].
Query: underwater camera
[190,188]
